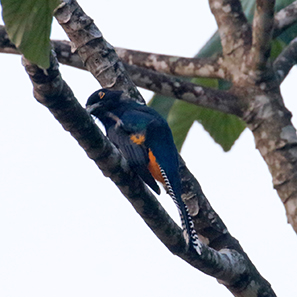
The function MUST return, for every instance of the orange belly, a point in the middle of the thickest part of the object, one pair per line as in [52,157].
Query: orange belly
[154,168]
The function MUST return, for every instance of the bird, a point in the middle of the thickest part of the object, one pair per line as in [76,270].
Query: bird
[144,138]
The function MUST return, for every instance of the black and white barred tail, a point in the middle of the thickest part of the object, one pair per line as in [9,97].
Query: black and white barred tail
[189,232]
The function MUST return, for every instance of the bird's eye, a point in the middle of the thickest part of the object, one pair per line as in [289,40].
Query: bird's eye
[101,94]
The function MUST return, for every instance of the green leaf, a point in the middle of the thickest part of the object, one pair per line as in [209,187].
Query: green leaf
[28,24]
[223,128]
[277,47]
[180,120]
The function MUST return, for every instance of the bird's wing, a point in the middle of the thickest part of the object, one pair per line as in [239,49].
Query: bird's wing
[135,152]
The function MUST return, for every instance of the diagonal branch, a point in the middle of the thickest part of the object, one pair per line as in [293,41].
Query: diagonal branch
[285,18]
[232,24]
[229,266]
[52,92]
[97,55]
[286,60]
[170,86]
[262,33]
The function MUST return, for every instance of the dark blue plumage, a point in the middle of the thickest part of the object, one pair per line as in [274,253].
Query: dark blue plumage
[146,141]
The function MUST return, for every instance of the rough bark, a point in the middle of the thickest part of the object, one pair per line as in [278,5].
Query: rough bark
[180,66]
[174,87]
[221,257]
[286,60]
[254,95]
[256,86]
[262,32]
[97,55]
[233,27]
[249,87]
[285,18]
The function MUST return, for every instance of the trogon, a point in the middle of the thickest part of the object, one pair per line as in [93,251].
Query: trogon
[145,140]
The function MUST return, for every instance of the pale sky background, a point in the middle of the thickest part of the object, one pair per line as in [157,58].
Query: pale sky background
[65,230]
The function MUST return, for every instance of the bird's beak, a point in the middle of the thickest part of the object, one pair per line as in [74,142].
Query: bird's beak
[91,108]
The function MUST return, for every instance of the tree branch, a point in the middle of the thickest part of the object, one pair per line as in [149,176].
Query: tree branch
[192,190]
[238,284]
[97,55]
[285,18]
[200,67]
[160,83]
[233,27]
[186,91]
[229,266]
[187,67]
[52,92]
[286,60]
[262,33]
[6,46]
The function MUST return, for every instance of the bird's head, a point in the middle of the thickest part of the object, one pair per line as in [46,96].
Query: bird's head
[102,101]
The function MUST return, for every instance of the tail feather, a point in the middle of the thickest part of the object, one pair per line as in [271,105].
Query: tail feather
[189,232]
